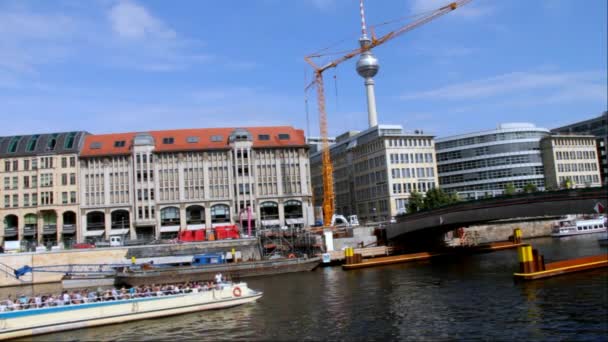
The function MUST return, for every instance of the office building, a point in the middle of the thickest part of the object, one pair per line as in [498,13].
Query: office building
[570,161]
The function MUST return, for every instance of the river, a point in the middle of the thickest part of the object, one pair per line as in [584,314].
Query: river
[471,297]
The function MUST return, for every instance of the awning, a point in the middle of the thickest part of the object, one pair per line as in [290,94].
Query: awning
[49,231]
[29,232]
[68,229]
[10,232]
[169,229]
[119,231]
[271,222]
[195,227]
[94,232]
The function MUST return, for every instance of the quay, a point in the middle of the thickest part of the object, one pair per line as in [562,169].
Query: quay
[532,265]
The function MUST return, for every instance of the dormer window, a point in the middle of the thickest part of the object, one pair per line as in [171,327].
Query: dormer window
[69,141]
[119,143]
[283,136]
[12,146]
[31,145]
[168,140]
[95,145]
[50,145]
[192,140]
[263,137]
[217,138]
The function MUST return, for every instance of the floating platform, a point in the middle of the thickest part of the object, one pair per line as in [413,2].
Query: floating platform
[564,267]
[397,259]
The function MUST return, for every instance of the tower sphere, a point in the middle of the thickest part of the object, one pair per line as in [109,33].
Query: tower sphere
[367,65]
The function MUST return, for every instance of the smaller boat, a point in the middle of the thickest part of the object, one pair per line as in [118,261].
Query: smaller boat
[44,320]
[571,226]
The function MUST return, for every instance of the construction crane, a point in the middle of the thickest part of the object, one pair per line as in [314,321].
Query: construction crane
[366,45]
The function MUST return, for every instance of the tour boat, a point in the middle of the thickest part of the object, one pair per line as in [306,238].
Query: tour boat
[37,321]
[570,226]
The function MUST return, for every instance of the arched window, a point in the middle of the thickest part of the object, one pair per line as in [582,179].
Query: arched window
[269,210]
[220,213]
[169,216]
[195,214]
[96,220]
[293,209]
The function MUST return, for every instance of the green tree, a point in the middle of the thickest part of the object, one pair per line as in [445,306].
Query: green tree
[436,197]
[510,189]
[567,183]
[415,203]
[530,188]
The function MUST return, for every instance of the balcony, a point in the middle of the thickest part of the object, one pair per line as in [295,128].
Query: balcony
[49,229]
[30,230]
[10,232]
[69,229]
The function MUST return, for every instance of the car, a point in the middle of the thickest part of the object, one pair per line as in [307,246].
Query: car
[83,245]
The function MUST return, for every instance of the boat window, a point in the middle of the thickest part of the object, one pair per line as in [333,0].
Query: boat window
[580,228]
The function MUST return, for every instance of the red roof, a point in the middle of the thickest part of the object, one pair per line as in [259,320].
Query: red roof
[106,144]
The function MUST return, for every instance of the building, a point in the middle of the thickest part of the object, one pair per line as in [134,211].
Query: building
[483,163]
[598,127]
[39,194]
[570,161]
[153,184]
[376,170]
[315,144]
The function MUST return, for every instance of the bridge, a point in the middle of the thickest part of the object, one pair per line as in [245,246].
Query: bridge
[551,203]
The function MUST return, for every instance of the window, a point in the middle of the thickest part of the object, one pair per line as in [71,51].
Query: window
[26,200]
[15,182]
[15,165]
[7,183]
[7,201]
[217,138]
[15,201]
[72,196]
[192,140]
[34,163]
[283,136]
[26,182]
[7,166]
[50,145]
[34,200]
[72,161]
[12,146]
[64,162]
[64,197]
[72,179]
[263,137]
[64,179]
[34,181]
[69,140]
[31,144]
[119,143]
[95,145]
[26,164]
[168,141]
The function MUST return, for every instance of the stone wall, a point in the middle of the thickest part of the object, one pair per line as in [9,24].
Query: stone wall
[500,231]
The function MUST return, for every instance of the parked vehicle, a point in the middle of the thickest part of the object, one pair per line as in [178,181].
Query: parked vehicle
[83,245]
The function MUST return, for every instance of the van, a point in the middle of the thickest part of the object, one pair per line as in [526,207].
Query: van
[115,241]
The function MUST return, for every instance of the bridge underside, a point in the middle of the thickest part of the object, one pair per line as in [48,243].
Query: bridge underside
[441,220]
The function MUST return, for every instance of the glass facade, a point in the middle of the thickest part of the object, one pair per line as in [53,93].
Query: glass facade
[484,163]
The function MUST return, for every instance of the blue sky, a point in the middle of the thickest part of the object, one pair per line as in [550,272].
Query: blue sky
[114,66]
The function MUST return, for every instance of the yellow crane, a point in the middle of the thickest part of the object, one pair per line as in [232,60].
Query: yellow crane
[327,167]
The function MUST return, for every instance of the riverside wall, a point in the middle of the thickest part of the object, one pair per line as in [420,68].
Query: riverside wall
[249,249]
[501,230]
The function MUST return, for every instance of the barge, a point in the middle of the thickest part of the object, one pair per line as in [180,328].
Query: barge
[37,321]
[150,274]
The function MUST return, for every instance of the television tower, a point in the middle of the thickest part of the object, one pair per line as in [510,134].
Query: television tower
[367,67]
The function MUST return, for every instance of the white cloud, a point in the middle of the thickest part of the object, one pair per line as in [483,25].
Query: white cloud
[471,10]
[130,20]
[562,85]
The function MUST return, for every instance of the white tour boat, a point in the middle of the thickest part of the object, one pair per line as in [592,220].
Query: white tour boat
[44,320]
[572,226]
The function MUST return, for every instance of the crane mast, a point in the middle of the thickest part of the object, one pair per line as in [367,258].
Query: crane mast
[327,167]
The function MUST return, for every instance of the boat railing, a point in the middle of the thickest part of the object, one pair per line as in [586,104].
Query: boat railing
[37,302]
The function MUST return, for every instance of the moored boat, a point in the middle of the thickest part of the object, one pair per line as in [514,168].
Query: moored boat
[571,226]
[161,274]
[37,321]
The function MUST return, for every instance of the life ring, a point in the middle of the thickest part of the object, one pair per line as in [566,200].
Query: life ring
[236,291]
[291,256]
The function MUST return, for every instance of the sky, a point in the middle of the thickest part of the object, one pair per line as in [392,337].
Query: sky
[122,65]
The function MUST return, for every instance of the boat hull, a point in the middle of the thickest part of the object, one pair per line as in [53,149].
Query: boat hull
[55,319]
[591,231]
[206,273]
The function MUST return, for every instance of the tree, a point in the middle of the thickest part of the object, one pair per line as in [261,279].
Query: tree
[567,183]
[415,203]
[436,197]
[530,188]
[510,189]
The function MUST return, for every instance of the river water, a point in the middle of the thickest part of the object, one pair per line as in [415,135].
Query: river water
[462,298]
